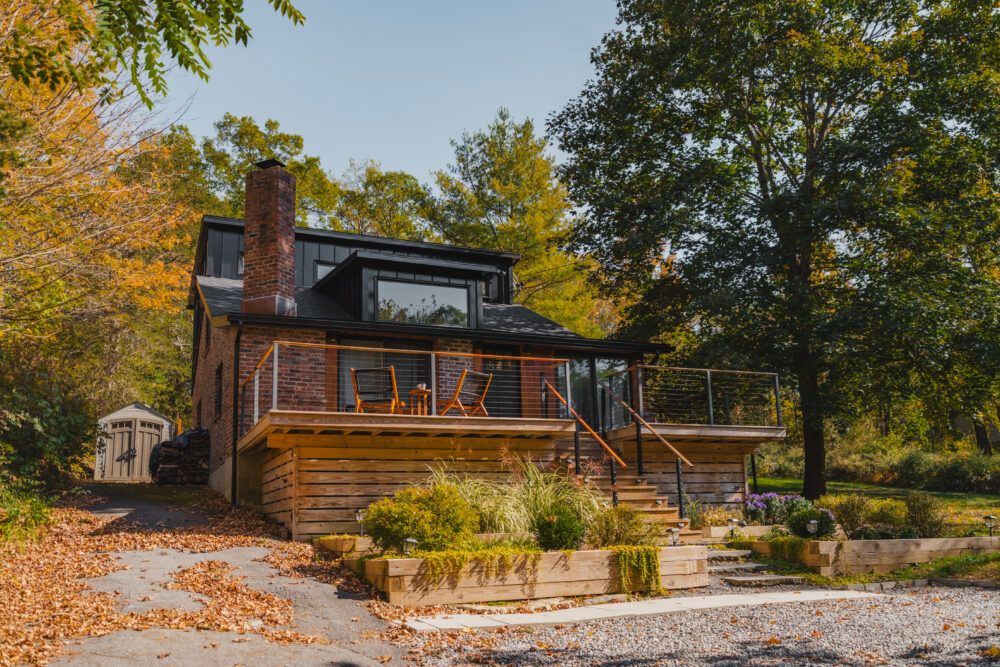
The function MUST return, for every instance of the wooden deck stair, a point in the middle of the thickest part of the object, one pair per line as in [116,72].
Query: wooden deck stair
[643,496]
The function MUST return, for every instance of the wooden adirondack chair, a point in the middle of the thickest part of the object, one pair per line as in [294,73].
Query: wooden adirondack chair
[375,390]
[470,392]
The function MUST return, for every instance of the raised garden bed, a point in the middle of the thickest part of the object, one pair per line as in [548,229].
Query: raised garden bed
[411,581]
[830,558]
[358,545]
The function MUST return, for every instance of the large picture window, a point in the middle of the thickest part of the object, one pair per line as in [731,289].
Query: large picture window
[421,303]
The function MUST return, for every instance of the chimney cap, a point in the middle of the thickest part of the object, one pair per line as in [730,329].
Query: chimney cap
[268,163]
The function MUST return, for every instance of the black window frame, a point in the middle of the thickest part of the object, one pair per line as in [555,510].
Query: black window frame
[470,301]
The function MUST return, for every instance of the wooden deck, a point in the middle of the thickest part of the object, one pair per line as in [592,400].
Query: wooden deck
[287,428]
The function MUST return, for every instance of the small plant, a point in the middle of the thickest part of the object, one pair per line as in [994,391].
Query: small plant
[799,522]
[23,514]
[925,514]
[642,560]
[888,512]
[852,510]
[436,516]
[764,509]
[883,532]
[559,529]
[622,525]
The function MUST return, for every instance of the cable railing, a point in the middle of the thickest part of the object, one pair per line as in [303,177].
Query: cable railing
[677,395]
[316,377]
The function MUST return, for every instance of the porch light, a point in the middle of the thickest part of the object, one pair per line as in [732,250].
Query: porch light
[409,544]
[675,534]
[991,523]
[359,516]
[812,526]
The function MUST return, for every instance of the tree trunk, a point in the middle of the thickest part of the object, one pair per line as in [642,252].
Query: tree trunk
[982,436]
[813,437]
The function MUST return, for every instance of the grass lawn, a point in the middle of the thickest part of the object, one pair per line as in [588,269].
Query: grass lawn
[965,504]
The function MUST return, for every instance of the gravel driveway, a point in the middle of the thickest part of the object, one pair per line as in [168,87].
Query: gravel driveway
[931,626]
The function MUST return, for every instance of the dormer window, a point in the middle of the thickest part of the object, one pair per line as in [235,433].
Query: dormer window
[422,303]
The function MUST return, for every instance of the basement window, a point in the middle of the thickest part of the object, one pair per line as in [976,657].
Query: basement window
[422,303]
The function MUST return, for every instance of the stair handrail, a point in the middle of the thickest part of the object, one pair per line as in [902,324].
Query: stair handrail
[642,421]
[586,426]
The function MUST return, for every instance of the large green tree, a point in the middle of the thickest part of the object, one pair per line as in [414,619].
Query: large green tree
[383,203]
[502,193]
[823,175]
[239,143]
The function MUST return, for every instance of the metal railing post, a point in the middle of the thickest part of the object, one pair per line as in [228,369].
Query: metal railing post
[639,393]
[274,378]
[256,396]
[603,408]
[777,400]
[680,491]
[708,392]
[569,395]
[576,449]
[434,388]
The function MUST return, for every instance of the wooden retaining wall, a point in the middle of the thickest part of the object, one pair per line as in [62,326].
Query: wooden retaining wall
[405,581]
[831,558]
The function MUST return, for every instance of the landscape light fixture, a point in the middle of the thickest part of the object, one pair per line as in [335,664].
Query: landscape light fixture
[682,524]
[733,524]
[674,536]
[991,523]
[409,544]
[812,526]
[359,516]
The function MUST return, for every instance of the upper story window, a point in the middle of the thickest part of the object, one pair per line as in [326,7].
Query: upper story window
[321,269]
[422,303]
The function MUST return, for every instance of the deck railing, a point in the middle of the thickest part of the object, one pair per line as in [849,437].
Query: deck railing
[349,379]
[677,395]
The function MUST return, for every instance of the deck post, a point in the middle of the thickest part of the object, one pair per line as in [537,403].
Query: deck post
[274,378]
[638,448]
[680,491]
[256,397]
[569,396]
[603,408]
[639,407]
[708,393]
[434,384]
[777,400]
[576,449]
[753,471]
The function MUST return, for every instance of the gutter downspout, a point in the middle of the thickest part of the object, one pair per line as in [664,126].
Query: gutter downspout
[236,409]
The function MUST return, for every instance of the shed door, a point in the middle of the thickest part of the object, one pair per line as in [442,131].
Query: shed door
[120,451]
[148,434]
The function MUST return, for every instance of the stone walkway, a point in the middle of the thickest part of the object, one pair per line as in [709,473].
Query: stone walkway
[458,622]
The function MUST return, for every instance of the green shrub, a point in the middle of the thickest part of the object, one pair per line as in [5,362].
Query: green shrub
[622,525]
[883,533]
[924,514]
[512,505]
[852,510]
[23,513]
[559,530]
[798,523]
[437,516]
[888,512]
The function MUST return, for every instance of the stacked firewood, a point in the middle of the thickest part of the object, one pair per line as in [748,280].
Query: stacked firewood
[183,460]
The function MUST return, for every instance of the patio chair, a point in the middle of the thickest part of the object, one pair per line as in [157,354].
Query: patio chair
[375,390]
[470,392]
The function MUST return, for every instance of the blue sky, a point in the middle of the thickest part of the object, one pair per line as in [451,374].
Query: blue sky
[395,80]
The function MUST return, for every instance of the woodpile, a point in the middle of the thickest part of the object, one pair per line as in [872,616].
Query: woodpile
[183,460]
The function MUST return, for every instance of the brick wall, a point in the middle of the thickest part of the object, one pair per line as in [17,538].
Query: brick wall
[449,369]
[216,351]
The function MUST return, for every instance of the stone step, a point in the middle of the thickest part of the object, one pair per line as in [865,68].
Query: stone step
[736,568]
[728,554]
[760,580]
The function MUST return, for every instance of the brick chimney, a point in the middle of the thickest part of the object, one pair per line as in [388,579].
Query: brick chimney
[269,241]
